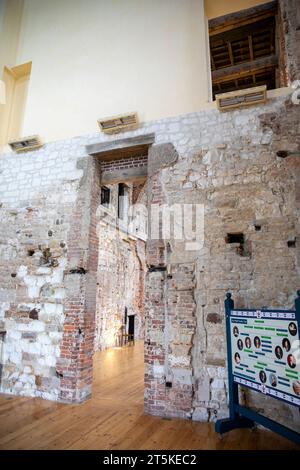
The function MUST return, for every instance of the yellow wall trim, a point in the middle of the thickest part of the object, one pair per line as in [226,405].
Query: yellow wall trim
[16,80]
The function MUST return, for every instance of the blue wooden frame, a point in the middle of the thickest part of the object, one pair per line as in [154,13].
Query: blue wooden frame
[241,416]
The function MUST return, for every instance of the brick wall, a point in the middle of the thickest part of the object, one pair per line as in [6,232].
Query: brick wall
[77,347]
[123,163]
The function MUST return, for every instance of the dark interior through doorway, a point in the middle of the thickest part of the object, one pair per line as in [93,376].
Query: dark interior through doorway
[131,321]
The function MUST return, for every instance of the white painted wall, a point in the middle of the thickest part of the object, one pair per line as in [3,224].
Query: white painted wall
[215,8]
[96,58]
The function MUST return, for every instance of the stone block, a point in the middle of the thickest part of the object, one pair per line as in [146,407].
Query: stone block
[200,414]
[203,389]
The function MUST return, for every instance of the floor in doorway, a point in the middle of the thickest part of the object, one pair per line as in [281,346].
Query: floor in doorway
[113,418]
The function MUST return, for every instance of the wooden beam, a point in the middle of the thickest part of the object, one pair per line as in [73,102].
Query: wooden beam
[230,52]
[272,37]
[213,67]
[250,47]
[260,53]
[236,71]
[241,18]
[127,174]
[240,32]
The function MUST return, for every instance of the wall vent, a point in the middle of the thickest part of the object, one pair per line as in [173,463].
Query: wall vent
[25,143]
[116,124]
[241,98]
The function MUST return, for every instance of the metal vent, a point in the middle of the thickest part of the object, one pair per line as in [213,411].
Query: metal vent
[116,124]
[241,98]
[25,143]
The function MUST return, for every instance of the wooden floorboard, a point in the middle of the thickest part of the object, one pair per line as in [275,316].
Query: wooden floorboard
[114,417]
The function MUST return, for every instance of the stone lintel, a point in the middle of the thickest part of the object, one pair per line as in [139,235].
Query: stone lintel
[129,147]
[127,174]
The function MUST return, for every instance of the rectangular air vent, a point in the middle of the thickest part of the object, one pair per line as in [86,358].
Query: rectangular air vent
[116,124]
[241,98]
[25,143]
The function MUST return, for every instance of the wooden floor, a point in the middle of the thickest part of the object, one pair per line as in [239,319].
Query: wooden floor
[113,418]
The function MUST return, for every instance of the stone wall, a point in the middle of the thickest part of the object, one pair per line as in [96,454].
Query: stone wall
[245,188]
[49,247]
[49,254]
[289,33]
[37,198]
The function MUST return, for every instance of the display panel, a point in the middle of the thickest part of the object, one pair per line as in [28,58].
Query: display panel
[265,352]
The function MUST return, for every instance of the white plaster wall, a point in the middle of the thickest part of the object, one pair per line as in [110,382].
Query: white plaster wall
[97,58]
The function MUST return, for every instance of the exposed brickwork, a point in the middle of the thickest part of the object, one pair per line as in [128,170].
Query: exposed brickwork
[282,73]
[170,322]
[155,313]
[289,35]
[75,363]
[124,163]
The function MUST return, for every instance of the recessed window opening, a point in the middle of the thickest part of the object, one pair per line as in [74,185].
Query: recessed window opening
[292,243]
[243,49]
[123,201]
[105,196]
[235,238]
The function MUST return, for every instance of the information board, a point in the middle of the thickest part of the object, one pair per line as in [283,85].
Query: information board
[265,352]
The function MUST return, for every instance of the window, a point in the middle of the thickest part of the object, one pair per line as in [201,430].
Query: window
[243,49]
[123,201]
[234,238]
[105,196]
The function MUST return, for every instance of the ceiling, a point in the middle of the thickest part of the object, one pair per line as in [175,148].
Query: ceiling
[243,54]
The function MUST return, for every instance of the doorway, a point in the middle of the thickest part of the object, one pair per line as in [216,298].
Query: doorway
[131,323]
[121,266]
